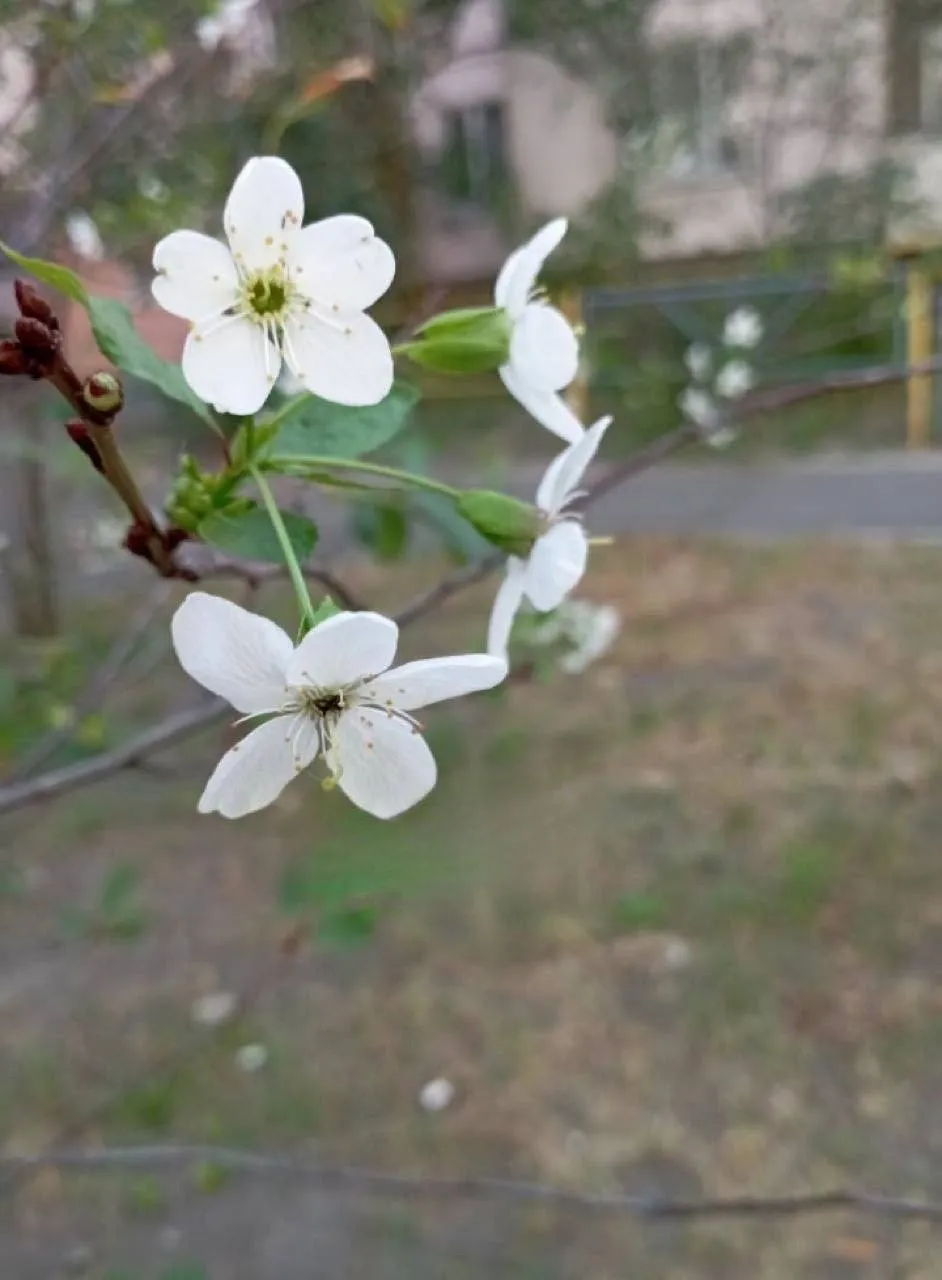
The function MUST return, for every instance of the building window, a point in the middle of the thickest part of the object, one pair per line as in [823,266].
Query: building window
[694,84]
[914,66]
[473,162]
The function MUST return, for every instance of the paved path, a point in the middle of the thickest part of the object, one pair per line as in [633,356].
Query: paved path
[872,496]
[876,495]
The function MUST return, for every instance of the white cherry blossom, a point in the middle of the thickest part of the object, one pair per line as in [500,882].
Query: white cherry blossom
[544,350]
[743,328]
[278,291]
[699,361]
[558,557]
[735,379]
[331,696]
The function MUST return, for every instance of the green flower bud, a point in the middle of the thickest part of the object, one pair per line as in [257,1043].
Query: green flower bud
[504,521]
[471,340]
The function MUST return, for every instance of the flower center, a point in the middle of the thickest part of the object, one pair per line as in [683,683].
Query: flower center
[267,296]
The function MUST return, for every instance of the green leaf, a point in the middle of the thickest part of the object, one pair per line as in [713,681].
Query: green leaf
[384,529]
[311,427]
[250,536]
[50,273]
[115,334]
[120,342]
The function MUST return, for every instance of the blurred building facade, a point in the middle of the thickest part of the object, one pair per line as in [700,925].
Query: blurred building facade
[750,101]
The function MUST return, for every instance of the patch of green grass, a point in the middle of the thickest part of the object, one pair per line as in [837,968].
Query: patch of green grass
[117,913]
[806,883]
[637,912]
[143,1195]
[150,1107]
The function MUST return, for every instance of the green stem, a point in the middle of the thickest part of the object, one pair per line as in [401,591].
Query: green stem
[369,468]
[287,550]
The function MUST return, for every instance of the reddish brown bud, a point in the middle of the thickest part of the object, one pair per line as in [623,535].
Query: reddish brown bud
[32,306]
[78,434]
[37,339]
[11,358]
[137,540]
[174,536]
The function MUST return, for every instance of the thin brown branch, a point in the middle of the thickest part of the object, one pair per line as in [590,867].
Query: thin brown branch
[756,405]
[98,685]
[416,1186]
[175,728]
[255,576]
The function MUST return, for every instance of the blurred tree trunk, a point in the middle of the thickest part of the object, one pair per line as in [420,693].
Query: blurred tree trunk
[28,563]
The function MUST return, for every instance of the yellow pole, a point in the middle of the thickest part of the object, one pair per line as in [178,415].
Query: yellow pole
[919,322]
[570,304]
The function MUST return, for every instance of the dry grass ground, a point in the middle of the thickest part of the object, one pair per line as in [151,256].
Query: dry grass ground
[674,926]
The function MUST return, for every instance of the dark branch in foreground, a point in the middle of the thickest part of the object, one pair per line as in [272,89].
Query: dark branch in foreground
[416,1186]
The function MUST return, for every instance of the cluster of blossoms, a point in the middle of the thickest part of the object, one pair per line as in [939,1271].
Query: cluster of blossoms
[720,378]
[279,293]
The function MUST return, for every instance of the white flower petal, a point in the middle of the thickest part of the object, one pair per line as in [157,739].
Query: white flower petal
[419,684]
[699,360]
[564,474]
[735,379]
[230,364]
[345,359]
[506,605]
[264,212]
[341,263]
[505,278]
[256,770]
[238,655]
[743,328]
[196,276]
[515,286]
[385,764]
[549,409]
[544,351]
[343,650]
[556,565]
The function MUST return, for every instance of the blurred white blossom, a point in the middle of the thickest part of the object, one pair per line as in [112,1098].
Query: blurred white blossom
[251,1057]
[734,380]
[84,236]
[436,1095]
[743,328]
[702,410]
[587,631]
[699,361]
[214,1009]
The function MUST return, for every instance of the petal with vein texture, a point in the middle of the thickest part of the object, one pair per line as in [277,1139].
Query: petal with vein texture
[341,263]
[419,684]
[556,565]
[506,605]
[264,212]
[255,771]
[345,358]
[230,364]
[238,655]
[549,409]
[196,276]
[385,764]
[343,650]
[544,351]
